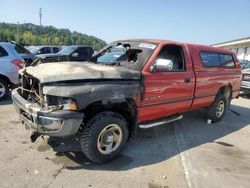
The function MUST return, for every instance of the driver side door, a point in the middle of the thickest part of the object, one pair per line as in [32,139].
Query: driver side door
[167,92]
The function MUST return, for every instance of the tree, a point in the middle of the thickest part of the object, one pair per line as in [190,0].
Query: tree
[28,38]
[56,40]
[47,35]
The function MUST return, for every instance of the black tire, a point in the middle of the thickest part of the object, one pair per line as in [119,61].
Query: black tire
[5,87]
[213,111]
[93,130]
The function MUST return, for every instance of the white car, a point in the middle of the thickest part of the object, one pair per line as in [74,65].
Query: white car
[245,84]
[10,63]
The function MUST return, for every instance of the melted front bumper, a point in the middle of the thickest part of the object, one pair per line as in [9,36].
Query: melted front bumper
[57,123]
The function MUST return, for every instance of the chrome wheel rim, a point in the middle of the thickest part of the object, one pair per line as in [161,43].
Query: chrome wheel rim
[220,109]
[109,139]
[2,90]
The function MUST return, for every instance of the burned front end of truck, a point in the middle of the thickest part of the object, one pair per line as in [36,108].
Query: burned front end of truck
[43,114]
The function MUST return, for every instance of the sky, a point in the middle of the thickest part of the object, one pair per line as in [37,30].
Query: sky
[192,21]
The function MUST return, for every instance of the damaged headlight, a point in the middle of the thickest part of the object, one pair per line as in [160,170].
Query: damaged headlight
[69,104]
[60,103]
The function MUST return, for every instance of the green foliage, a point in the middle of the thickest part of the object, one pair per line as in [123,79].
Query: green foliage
[31,34]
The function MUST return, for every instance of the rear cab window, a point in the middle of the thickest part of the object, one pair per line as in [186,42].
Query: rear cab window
[3,52]
[214,59]
[226,60]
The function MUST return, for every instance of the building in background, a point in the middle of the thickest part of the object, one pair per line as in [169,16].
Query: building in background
[240,46]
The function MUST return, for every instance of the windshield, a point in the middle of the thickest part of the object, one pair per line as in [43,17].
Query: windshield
[128,54]
[34,50]
[247,66]
[67,50]
[113,55]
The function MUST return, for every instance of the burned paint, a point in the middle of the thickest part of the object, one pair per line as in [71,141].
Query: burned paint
[86,93]
[69,71]
[86,82]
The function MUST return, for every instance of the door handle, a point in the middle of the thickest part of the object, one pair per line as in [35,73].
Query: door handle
[187,80]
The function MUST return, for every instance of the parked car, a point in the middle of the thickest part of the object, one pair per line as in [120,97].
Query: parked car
[244,63]
[70,53]
[37,50]
[10,63]
[23,52]
[245,84]
[153,83]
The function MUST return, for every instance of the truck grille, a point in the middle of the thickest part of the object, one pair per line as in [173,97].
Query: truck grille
[31,89]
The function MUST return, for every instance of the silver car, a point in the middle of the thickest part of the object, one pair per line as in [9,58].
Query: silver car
[245,84]
[10,63]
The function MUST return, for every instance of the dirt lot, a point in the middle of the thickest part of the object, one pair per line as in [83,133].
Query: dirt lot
[187,153]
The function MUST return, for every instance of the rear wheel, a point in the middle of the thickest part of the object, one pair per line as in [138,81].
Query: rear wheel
[218,108]
[104,136]
[4,89]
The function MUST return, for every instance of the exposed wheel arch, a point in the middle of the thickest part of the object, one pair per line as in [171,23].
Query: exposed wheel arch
[227,92]
[124,106]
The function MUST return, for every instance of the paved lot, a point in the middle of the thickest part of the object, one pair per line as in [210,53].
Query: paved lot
[187,153]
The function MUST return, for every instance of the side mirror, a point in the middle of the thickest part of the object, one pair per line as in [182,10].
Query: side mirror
[74,55]
[39,52]
[162,65]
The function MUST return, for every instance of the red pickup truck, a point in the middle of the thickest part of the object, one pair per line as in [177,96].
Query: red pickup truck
[128,85]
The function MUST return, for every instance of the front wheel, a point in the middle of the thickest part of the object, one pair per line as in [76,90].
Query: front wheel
[218,108]
[104,136]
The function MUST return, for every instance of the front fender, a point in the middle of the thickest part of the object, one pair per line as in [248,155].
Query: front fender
[87,93]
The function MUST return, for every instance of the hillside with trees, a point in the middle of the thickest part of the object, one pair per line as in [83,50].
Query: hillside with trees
[31,34]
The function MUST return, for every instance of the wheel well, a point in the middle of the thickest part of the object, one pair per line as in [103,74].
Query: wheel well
[6,79]
[125,107]
[227,92]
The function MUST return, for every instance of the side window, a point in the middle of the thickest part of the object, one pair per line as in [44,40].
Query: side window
[55,49]
[45,50]
[76,53]
[210,59]
[3,52]
[83,52]
[175,54]
[226,60]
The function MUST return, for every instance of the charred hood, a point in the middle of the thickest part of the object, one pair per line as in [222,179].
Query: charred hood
[73,71]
